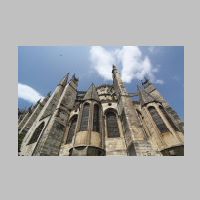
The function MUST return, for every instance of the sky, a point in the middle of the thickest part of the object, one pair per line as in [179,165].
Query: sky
[40,68]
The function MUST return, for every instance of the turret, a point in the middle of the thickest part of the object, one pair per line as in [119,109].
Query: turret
[150,88]
[165,133]
[133,133]
[51,139]
[35,133]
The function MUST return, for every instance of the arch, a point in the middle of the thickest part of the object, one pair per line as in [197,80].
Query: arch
[85,117]
[36,133]
[168,118]
[157,119]
[96,118]
[72,129]
[131,150]
[110,110]
[112,124]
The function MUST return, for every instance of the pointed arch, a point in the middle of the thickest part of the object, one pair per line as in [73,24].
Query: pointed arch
[168,118]
[36,133]
[85,117]
[112,124]
[96,118]
[131,150]
[72,129]
[157,119]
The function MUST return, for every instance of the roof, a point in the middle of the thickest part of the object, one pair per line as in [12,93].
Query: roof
[91,93]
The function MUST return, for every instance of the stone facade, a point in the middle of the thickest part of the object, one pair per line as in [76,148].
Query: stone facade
[103,120]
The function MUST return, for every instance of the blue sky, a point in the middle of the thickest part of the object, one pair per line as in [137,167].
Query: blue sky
[40,69]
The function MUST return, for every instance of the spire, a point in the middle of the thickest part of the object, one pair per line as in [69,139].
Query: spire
[45,98]
[91,93]
[74,78]
[30,108]
[146,82]
[37,103]
[118,84]
[74,82]
[49,94]
[114,69]
[63,82]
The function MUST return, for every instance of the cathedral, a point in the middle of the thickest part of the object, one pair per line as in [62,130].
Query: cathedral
[105,120]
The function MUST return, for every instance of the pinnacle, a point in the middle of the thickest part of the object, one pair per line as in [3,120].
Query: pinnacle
[64,80]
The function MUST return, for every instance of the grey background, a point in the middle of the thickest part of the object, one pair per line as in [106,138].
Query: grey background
[98,23]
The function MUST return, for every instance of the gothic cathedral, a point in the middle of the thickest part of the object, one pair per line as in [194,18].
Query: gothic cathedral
[101,121]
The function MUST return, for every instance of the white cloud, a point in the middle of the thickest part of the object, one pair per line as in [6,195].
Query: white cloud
[159,82]
[134,64]
[102,61]
[28,93]
[154,49]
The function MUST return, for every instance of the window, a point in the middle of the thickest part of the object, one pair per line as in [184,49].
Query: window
[36,133]
[96,122]
[112,125]
[158,120]
[85,117]
[131,150]
[71,131]
[168,118]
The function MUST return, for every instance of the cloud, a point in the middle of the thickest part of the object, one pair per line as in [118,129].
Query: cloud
[159,82]
[154,49]
[27,93]
[102,61]
[134,64]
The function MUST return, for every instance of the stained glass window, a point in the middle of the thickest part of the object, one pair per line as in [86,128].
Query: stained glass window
[71,130]
[85,117]
[158,120]
[112,125]
[96,122]
[168,118]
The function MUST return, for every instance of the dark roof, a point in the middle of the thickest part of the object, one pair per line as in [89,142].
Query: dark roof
[145,96]
[92,93]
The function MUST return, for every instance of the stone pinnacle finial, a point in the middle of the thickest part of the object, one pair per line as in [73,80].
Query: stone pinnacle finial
[49,94]
[38,101]
[74,77]
[146,81]
[64,80]
[114,67]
